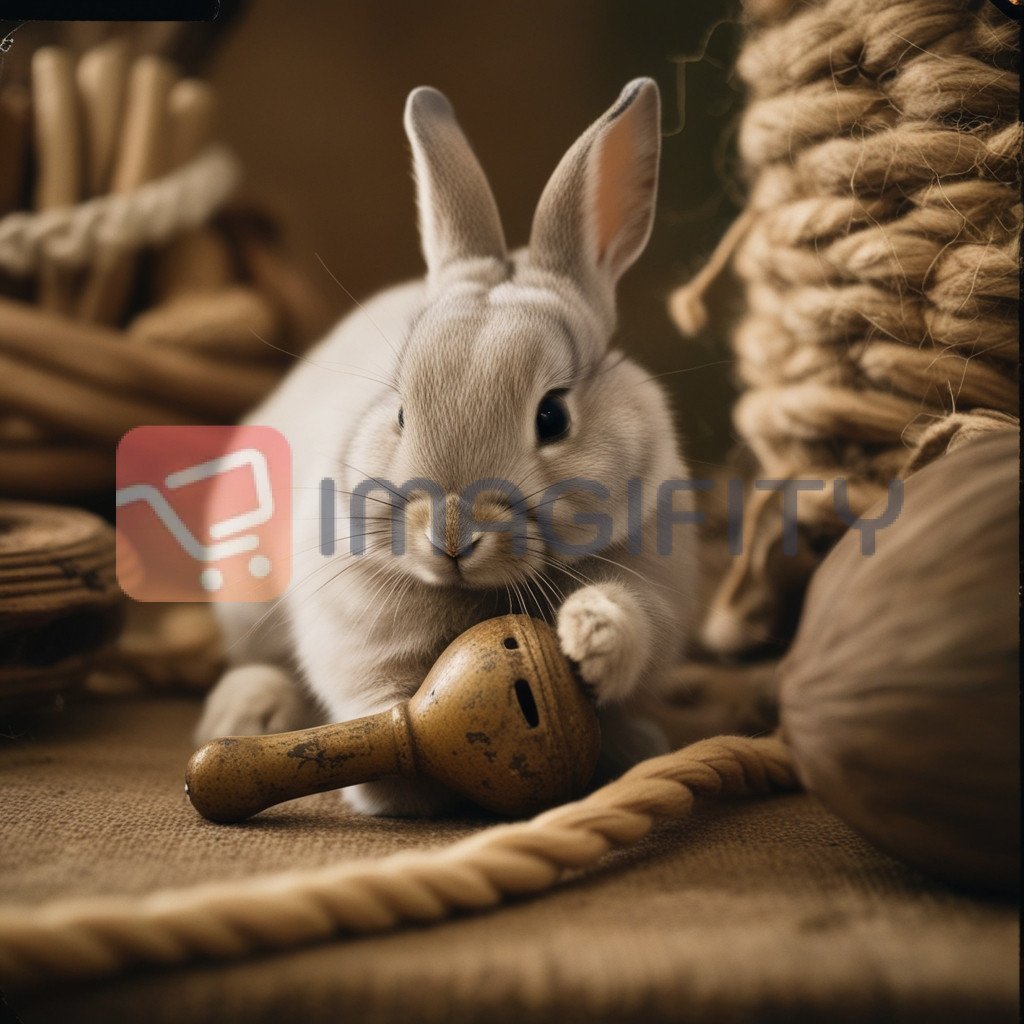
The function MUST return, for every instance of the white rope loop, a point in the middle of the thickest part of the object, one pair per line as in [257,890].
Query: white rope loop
[83,938]
[150,215]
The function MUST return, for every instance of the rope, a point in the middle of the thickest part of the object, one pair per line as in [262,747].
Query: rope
[879,249]
[92,937]
[149,215]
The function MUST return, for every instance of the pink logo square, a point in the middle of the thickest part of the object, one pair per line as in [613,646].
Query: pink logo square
[203,513]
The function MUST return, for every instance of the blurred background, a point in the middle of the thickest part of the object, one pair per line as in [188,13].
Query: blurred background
[311,99]
[195,325]
[313,104]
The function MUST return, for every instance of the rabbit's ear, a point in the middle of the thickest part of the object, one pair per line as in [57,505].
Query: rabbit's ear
[458,216]
[595,214]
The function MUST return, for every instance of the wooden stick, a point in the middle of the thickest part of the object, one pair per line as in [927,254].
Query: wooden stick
[98,355]
[15,144]
[191,111]
[198,260]
[57,136]
[69,407]
[15,135]
[235,323]
[15,128]
[143,150]
[58,141]
[306,313]
[141,158]
[196,309]
[55,470]
[20,431]
[102,76]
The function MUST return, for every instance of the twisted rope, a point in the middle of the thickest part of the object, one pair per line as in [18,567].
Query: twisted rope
[882,263]
[149,215]
[91,937]
[879,249]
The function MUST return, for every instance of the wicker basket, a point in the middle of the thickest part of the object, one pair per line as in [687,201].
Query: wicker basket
[129,294]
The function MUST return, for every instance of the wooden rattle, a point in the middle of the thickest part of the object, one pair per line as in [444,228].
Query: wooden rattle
[499,718]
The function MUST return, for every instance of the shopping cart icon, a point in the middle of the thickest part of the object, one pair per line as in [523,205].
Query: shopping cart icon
[245,472]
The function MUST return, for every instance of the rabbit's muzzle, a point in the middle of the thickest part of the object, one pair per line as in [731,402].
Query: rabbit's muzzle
[487,544]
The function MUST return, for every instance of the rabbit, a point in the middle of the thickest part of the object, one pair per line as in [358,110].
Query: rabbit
[496,365]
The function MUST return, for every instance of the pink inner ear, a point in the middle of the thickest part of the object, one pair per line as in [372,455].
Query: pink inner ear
[616,161]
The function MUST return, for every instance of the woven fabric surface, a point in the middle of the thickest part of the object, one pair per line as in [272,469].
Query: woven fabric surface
[771,910]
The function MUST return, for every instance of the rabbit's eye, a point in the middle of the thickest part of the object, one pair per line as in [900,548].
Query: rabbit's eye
[552,417]
[401,418]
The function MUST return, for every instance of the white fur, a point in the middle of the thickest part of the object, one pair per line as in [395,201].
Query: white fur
[254,699]
[605,630]
[467,354]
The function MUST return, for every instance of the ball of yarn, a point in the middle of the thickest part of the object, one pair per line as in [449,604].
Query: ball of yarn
[900,695]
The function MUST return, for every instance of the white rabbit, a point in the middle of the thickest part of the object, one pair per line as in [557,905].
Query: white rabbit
[496,365]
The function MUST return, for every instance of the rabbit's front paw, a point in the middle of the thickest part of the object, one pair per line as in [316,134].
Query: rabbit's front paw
[602,628]
[253,700]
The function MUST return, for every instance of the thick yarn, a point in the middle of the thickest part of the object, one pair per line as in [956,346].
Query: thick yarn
[879,251]
[91,937]
[148,215]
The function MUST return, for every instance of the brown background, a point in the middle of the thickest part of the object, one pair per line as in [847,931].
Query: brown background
[313,96]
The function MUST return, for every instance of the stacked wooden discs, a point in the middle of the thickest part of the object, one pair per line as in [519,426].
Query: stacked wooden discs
[59,601]
[128,294]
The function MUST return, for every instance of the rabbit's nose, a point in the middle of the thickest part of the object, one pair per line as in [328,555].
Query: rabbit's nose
[451,548]
[470,545]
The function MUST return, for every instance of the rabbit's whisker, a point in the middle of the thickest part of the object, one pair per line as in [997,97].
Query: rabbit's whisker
[323,366]
[365,311]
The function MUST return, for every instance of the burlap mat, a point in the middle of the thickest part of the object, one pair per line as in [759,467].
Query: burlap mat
[767,911]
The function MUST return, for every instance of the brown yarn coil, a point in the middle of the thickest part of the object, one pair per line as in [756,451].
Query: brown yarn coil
[881,253]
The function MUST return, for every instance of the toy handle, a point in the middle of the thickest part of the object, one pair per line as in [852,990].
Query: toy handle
[235,777]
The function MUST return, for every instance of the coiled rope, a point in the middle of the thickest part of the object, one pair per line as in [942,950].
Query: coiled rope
[146,216]
[879,249]
[91,937]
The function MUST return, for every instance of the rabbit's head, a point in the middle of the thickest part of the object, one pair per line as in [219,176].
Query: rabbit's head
[505,383]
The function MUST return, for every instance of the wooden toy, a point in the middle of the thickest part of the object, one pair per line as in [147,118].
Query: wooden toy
[500,718]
